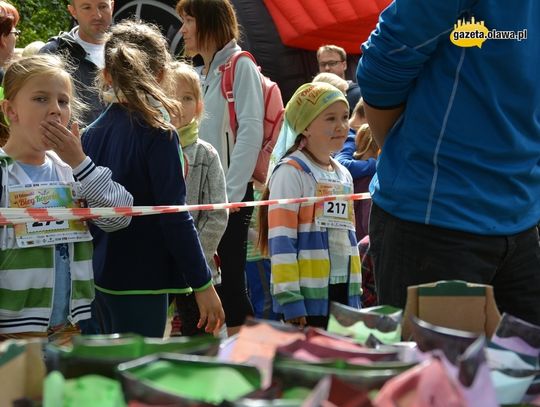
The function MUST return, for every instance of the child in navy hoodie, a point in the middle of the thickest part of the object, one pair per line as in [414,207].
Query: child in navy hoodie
[136,269]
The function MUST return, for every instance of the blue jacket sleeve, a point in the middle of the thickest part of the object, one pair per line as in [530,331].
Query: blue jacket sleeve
[407,34]
[357,168]
[169,188]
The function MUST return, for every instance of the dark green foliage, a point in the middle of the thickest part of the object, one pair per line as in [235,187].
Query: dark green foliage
[41,19]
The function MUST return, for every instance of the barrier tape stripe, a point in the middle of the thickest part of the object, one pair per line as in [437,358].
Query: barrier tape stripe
[10,216]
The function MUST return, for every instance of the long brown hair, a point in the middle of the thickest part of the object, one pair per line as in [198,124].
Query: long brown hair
[136,58]
[262,241]
[366,147]
[216,21]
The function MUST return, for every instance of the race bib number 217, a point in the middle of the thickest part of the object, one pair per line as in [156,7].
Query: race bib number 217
[337,209]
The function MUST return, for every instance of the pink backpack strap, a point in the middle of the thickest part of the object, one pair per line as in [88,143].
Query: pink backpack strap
[227,81]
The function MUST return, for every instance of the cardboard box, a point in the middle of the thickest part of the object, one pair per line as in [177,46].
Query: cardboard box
[453,304]
[22,371]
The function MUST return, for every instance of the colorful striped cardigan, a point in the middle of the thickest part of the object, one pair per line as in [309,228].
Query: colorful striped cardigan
[299,248]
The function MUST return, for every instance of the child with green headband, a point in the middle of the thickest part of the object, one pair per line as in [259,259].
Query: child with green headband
[205,183]
[312,247]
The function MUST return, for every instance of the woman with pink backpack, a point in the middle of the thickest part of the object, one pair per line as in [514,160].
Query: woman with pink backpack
[210,29]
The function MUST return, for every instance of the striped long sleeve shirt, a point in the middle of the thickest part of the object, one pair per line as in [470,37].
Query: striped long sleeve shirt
[299,248]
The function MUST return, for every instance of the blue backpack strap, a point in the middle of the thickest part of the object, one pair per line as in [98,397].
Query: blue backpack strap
[302,164]
[298,164]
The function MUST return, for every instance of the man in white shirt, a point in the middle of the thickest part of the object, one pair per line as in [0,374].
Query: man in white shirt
[84,46]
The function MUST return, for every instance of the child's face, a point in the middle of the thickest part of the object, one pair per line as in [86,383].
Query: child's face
[41,98]
[186,96]
[328,131]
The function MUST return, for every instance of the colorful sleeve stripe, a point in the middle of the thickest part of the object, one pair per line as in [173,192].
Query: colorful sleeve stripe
[306,214]
[279,216]
[282,231]
[282,217]
[294,164]
[286,258]
[281,245]
[315,269]
[311,241]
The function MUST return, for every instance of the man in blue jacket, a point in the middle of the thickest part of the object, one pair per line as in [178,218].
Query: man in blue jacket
[456,194]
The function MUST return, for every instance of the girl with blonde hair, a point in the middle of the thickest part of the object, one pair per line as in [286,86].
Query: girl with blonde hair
[205,182]
[46,276]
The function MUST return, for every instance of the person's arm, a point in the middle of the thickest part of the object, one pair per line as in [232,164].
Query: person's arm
[97,186]
[407,34]
[247,90]
[357,168]
[213,224]
[282,242]
[381,121]
[169,188]
[180,235]
[100,190]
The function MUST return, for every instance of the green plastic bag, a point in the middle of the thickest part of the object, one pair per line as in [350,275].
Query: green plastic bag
[85,391]
[382,322]
[100,354]
[186,380]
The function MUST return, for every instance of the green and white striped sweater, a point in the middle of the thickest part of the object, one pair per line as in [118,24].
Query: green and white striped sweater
[27,275]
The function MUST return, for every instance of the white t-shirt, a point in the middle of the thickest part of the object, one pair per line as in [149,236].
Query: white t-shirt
[94,52]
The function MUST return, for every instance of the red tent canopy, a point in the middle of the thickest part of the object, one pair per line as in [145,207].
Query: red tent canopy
[308,24]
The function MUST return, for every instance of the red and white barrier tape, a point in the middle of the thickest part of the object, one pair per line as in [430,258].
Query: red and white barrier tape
[9,216]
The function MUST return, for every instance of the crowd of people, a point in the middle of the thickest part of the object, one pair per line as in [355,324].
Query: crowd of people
[103,116]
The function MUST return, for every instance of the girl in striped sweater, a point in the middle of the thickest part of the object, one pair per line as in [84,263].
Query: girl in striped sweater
[312,247]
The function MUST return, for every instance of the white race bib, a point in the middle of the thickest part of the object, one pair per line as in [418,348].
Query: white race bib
[48,195]
[333,214]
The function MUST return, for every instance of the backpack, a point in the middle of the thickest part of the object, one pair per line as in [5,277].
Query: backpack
[273,111]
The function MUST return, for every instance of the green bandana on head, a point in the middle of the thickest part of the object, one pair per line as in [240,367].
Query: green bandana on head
[308,102]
